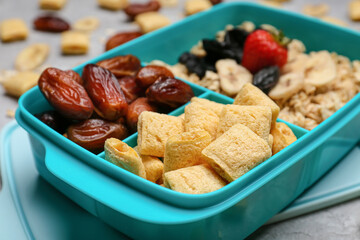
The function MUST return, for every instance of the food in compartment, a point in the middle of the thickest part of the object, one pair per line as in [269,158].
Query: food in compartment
[151,21]
[113,4]
[194,180]
[154,167]
[134,9]
[52,4]
[282,137]
[74,43]
[13,29]
[308,87]
[51,23]
[195,6]
[120,154]
[86,24]
[32,57]
[19,83]
[107,100]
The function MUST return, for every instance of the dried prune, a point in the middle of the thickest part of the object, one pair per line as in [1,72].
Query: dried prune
[134,9]
[91,134]
[196,64]
[135,109]
[105,92]
[219,50]
[267,78]
[130,88]
[121,66]
[235,38]
[65,94]
[54,120]
[149,74]
[121,38]
[170,92]
[51,24]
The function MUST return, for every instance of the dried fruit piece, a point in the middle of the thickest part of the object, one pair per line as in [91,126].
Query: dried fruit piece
[105,92]
[51,24]
[149,74]
[135,9]
[288,85]
[113,4]
[54,120]
[91,134]
[75,76]
[86,24]
[232,76]
[52,4]
[130,88]
[320,69]
[135,109]
[266,78]
[73,42]
[121,38]
[195,6]
[170,92]
[151,21]
[13,29]
[32,56]
[65,94]
[19,83]
[121,66]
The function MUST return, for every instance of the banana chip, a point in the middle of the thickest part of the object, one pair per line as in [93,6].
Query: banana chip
[32,57]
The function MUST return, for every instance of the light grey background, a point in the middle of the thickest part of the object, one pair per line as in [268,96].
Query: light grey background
[337,222]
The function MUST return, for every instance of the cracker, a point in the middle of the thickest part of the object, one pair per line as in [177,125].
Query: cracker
[113,4]
[120,154]
[236,152]
[74,42]
[195,6]
[194,180]
[153,131]
[184,150]
[13,29]
[52,4]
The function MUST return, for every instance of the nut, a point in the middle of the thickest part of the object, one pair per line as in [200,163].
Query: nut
[135,9]
[121,38]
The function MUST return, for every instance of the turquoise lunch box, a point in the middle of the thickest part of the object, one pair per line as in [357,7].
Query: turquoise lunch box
[144,210]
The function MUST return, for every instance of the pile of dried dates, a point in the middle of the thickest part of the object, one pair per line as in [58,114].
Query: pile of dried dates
[108,98]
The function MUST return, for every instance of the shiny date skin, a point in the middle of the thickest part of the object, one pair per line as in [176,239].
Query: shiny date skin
[105,92]
[91,134]
[121,66]
[130,88]
[51,24]
[169,92]
[135,109]
[149,74]
[65,94]
[135,9]
[120,38]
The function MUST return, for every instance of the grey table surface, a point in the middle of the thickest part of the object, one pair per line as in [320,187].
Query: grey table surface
[338,222]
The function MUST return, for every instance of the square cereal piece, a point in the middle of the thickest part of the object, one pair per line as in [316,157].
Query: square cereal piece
[113,4]
[257,118]
[73,42]
[151,21]
[198,117]
[283,136]
[236,152]
[20,83]
[52,4]
[154,167]
[168,3]
[13,29]
[195,6]
[214,106]
[153,131]
[354,10]
[251,95]
[194,180]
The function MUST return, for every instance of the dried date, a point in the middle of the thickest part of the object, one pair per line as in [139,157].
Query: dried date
[65,94]
[149,74]
[105,92]
[122,66]
[135,9]
[120,38]
[54,120]
[91,134]
[74,75]
[170,92]
[51,24]
[130,88]
[135,109]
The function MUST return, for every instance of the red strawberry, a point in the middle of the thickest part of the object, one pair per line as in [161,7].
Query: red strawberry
[262,50]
